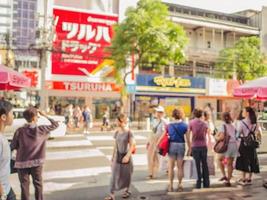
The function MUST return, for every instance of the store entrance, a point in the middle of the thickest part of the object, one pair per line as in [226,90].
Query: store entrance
[101,104]
[58,104]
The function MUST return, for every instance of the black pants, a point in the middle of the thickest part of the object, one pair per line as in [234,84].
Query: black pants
[11,195]
[24,178]
[200,156]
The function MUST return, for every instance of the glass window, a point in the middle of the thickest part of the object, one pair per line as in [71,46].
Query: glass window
[25,5]
[32,6]
[19,12]
[31,24]
[25,23]
[31,15]
[25,32]
[25,14]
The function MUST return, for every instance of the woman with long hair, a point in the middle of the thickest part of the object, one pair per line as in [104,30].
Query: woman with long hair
[248,162]
[121,161]
[227,130]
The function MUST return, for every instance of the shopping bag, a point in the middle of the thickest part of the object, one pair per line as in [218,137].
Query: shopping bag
[211,165]
[163,163]
[190,170]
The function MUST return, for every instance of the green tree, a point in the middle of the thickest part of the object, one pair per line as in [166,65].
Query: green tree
[245,59]
[149,35]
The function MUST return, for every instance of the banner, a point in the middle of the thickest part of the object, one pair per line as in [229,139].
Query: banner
[80,42]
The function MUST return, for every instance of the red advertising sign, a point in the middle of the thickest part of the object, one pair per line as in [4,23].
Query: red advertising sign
[33,75]
[81,38]
[82,86]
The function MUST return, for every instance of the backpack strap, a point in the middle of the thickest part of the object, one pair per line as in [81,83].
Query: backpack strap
[250,130]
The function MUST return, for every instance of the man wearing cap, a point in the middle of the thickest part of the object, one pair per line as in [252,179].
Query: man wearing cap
[158,128]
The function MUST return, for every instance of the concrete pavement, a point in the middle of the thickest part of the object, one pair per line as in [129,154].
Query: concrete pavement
[78,167]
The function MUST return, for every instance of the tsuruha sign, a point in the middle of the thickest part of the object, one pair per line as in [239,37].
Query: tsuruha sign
[80,42]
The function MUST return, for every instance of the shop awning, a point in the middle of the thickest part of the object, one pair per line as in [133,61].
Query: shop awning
[253,89]
[12,80]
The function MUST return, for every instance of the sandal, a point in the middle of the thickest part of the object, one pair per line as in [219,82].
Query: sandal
[228,184]
[249,181]
[126,194]
[265,185]
[242,182]
[223,178]
[150,177]
[170,189]
[180,188]
[109,198]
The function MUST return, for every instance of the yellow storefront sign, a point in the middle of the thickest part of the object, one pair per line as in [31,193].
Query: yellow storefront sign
[172,82]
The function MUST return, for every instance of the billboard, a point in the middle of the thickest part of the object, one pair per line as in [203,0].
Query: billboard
[81,38]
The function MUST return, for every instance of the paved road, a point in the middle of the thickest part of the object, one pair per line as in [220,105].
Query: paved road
[78,167]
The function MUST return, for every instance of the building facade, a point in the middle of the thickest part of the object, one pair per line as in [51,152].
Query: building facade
[78,72]
[6,7]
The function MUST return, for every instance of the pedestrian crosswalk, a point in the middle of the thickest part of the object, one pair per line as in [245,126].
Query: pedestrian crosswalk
[83,161]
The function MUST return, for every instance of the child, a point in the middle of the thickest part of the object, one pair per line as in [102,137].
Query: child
[30,142]
[6,119]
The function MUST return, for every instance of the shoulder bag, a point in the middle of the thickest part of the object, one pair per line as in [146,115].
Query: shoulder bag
[222,145]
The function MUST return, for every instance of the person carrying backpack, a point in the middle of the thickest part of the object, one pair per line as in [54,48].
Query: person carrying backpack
[250,134]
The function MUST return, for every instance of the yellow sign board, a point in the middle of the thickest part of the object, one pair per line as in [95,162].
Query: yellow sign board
[172,82]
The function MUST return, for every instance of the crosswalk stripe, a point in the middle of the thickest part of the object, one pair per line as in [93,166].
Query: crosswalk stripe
[110,138]
[72,143]
[76,173]
[73,154]
[111,147]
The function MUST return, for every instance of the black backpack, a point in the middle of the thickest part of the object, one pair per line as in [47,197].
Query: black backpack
[250,140]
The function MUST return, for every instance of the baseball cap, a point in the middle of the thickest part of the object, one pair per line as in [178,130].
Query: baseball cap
[159,109]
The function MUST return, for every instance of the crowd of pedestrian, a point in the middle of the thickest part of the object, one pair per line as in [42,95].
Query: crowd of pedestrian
[77,117]
[200,138]
[233,144]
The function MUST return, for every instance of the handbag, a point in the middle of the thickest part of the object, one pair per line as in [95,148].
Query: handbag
[164,145]
[12,167]
[250,140]
[120,155]
[222,145]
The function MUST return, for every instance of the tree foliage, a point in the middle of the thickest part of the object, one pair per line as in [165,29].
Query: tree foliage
[245,58]
[147,33]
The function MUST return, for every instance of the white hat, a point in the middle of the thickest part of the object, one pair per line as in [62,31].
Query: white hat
[159,109]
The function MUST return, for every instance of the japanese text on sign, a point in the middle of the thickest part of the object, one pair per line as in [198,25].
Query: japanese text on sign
[81,39]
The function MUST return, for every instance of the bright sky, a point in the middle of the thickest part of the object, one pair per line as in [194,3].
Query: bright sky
[228,6]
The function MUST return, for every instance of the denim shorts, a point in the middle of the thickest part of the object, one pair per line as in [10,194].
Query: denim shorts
[232,150]
[177,150]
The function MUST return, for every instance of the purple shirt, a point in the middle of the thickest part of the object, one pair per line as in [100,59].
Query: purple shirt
[30,142]
[199,131]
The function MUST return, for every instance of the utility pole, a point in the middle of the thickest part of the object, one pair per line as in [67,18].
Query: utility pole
[43,59]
